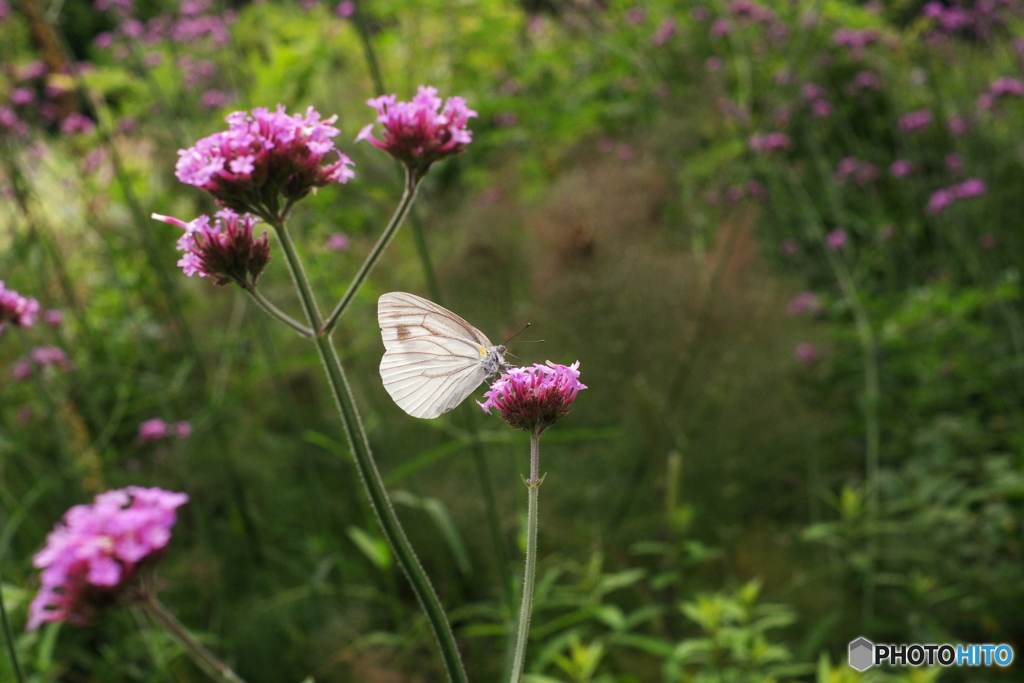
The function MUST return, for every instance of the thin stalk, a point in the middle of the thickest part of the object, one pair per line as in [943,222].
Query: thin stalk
[276,312]
[203,658]
[373,483]
[9,637]
[408,197]
[532,490]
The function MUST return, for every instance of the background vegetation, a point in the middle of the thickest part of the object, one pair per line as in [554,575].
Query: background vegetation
[755,477]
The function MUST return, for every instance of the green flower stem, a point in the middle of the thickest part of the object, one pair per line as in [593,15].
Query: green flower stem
[532,490]
[203,658]
[365,464]
[408,197]
[9,637]
[275,312]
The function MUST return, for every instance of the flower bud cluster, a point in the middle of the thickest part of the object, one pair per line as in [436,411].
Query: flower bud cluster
[536,397]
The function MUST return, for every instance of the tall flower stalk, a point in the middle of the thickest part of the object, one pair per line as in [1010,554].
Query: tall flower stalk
[532,399]
[259,168]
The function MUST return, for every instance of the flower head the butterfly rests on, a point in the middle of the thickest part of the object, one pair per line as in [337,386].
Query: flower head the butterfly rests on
[536,397]
[97,549]
[420,132]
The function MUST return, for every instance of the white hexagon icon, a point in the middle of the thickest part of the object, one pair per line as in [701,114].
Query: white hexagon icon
[862,653]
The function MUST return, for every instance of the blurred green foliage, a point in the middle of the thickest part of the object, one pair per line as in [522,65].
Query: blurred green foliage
[715,510]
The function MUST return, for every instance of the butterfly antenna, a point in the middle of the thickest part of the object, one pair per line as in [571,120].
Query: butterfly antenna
[530,341]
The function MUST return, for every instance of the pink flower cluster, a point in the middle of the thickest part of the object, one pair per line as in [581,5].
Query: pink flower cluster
[861,172]
[915,120]
[536,397]
[262,156]
[751,11]
[769,142]
[940,199]
[855,39]
[420,132]
[804,302]
[156,429]
[42,356]
[1005,86]
[97,549]
[224,250]
[16,309]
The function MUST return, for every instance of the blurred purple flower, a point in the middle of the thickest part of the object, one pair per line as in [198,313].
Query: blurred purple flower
[821,108]
[53,317]
[939,200]
[345,10]
[635,15]
[986,101]
[76,122]
[338,242]
[94,551]
[51,355]
[972,187]
[16,309]
[804,301]
[699,13]
[812,91]
[901,168]
[769,142]
[954,162]
[22,96]
[720,27]
[21,370]
[506,119]
[1006,86]
[5,10]
[213,99]
[666,29]
[807,353]
[915,120]
[867,80]
[756,191]
[836,239]
[714,64]
[855,39]
[789,247]
[958,125]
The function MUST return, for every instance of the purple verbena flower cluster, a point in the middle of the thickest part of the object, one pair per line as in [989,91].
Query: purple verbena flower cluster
[941,199]
[16,309]
[223,249]
[536,397]
[263,156]
[860,172]
[769,142]
[1004,86]
[156,429]
[97,549]
[422,131]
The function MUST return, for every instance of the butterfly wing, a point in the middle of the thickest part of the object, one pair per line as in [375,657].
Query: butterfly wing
[432,360]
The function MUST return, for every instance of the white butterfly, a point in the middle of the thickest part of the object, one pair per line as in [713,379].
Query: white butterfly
[433,359]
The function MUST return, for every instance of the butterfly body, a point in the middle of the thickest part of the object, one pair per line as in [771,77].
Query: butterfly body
[433,359]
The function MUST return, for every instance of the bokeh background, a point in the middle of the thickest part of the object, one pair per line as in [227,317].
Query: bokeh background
[783,239]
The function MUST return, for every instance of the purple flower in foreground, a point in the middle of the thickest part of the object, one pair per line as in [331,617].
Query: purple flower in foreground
[16,309]
[224,250]
[836,239]
[536,397]
[97,549]
[422,131]
[262,156]
[1005,86]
